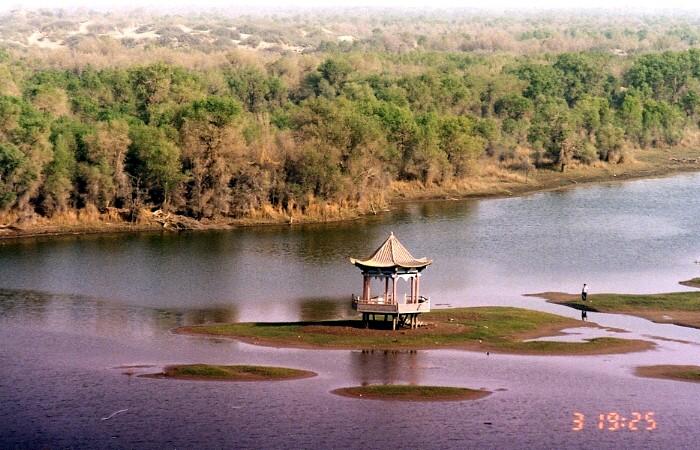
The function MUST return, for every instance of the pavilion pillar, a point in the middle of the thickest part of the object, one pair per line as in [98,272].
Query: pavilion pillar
[417,286]
[393,289]
[365,288]
[386,289]
[413,290]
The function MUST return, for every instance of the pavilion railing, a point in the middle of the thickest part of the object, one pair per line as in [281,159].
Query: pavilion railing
[381,300]
[378,300]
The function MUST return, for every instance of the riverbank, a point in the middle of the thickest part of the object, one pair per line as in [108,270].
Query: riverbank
[209,372]
[670,372]
[411,393]
[483,329]
[488,182]
[677,308]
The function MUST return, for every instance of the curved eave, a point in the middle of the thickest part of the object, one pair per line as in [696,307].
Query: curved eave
[369,265]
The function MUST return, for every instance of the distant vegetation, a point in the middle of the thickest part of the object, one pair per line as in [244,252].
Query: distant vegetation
[352,30]
[171,116]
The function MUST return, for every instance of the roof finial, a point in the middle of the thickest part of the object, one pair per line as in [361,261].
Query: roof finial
[391,233]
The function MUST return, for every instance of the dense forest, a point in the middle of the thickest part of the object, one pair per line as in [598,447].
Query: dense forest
[287,133]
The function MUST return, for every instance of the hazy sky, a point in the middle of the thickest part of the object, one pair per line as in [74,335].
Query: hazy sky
[482,4]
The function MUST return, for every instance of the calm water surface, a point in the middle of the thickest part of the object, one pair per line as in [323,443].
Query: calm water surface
[72,309]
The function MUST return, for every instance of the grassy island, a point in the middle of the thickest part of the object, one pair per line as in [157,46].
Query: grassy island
[678,308]
[411,393]
[670,372]
[492,329]
[206,372]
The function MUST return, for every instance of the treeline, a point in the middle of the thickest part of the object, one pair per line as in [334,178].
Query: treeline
[232,141]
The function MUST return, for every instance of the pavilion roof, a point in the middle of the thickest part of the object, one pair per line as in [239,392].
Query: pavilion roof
[390,254]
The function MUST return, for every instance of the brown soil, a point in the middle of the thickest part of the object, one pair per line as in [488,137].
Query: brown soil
[690,374]
[135,366]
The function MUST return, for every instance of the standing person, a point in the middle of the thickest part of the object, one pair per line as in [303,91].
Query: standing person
[584,315]
[584,292]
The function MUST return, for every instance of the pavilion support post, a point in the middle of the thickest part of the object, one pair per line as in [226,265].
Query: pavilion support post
[417,287]
[365,288]
[414,299]
[393,323]
[386,289]
[393,289]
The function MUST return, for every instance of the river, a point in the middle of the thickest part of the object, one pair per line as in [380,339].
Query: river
[74,309]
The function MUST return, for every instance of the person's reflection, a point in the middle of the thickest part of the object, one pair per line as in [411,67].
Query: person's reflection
[385,366]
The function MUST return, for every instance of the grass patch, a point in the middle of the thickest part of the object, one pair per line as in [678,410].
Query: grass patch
[679,308]
[231,373]
[413,393]
[670,372]
[693,282]
[494,329]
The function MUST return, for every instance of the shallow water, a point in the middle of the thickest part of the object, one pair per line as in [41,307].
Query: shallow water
[72,309]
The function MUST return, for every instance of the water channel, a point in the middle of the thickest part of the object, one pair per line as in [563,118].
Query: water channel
[73,309]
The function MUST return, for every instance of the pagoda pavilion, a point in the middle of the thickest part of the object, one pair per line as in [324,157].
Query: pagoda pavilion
[390,263]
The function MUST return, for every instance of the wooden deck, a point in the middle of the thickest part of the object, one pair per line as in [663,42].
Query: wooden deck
[379,305]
